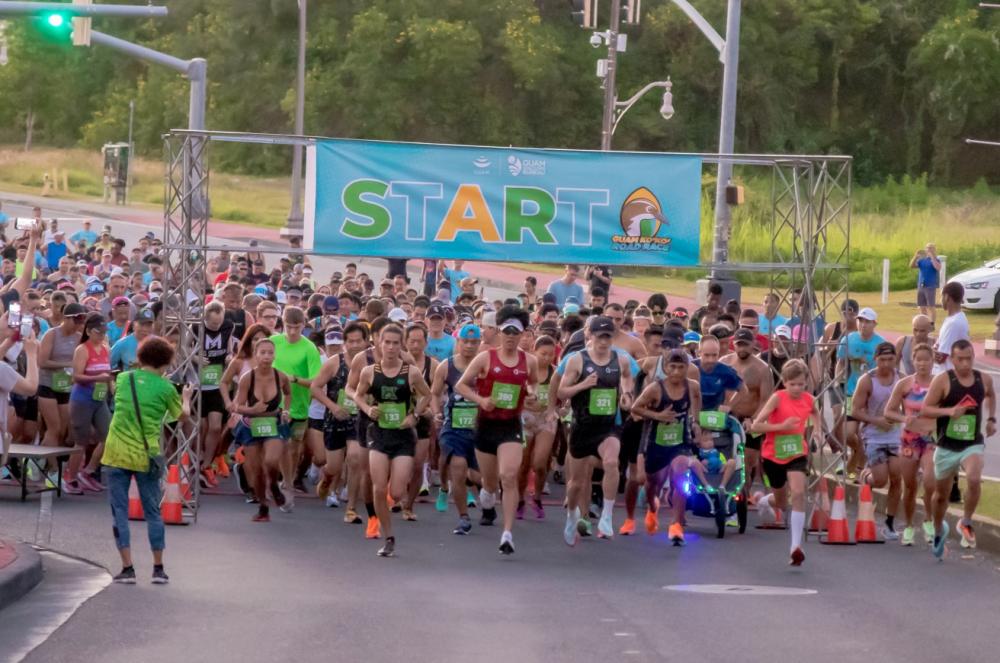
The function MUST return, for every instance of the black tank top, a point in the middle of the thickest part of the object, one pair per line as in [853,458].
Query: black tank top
[598,406]
[959,433]
[655,433]
[216,347]
[391,391]
[339,379]
[273,405]
[456,401]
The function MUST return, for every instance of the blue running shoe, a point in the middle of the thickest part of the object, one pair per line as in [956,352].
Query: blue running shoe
[441,504]
[938,548]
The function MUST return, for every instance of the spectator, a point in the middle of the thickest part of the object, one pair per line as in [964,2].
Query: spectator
[454,276]
[3,218]
[118,257]
[928,267]
[57,249]
[712,305]
[567,286]
[86,235]
[531,290]
[771,319]
[599,276]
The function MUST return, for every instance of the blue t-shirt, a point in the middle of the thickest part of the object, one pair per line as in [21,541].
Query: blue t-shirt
[455,278]
[115,333]
[929,277]
[55,252]
[88,236]
[860,355]
[562,291]
[123,353]
[441,348]
[768,326]
[714,385]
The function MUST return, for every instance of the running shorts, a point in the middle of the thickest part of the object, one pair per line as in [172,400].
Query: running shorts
[461,444]
[491,433]
[947,462]
[777,473]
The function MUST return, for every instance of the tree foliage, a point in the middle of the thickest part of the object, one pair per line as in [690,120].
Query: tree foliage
[897,83]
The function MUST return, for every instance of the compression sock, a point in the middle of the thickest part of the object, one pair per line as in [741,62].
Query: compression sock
[797,525]
[609,506]
[370,509]
[889,520]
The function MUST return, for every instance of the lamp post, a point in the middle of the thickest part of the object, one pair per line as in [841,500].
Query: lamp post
[666,108]
[294,226]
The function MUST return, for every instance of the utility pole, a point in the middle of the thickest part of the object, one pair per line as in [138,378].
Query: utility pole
[610,89]
[727,134]
[294,225]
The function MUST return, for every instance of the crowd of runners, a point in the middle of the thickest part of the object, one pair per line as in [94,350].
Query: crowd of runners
[373,392]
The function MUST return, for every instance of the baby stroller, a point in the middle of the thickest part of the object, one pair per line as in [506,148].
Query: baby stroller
[715,500]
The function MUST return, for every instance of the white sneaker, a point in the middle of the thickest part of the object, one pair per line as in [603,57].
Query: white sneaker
[545,489]
[313,474]
[889,534]
[332,501]
[569,532]
[605,530]
[764,510]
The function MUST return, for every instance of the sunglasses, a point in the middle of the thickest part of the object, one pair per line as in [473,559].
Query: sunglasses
[510,331]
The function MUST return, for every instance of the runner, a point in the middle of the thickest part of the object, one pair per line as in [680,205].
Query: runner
[262,399]
[622,340]
[502,379]
[55,380]
[89,413]
[855,357]
[219,343]
[785,453]
[416,345]
[339,417]
[241,363]
[957,398]
[759,382]
[439,345]
[922,327]
[392,385]
[669,408]
[917,443]
[881,435]
[456,418]
[720,384]
[595,401]
[539,419]
[954,328]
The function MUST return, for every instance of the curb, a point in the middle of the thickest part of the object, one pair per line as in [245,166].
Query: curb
[987,529]
[21,575]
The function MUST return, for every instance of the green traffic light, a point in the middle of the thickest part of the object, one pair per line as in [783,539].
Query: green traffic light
[55,20]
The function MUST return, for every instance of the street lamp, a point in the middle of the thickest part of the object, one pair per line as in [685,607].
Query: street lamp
[666,108]
[293,228]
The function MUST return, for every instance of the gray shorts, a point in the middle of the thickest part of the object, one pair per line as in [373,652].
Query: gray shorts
[879,454]
[88,422]
[927,297]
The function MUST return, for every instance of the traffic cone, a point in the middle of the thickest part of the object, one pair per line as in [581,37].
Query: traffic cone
[864,528]
[821,507]
[134,503]
[172,508]
[185,485]
[837,531]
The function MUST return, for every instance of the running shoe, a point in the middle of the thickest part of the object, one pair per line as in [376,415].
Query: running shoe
[539,509]
[425,489]
[351,517]
[160,576]
[765,512]
[938,547]
[519,514]
[125,577]
[87,482]
[968,535]
[852,477]
[263,515]
[208,479]
[470,500]
[928,528]
[889,534]
[277,494]
[584,527]
[441,503]
[289,503]
[605,530]
[676,534]
[389,549]
[489,515]
[506,544]
[372,531]
[409,515]
[250,499]
[652,522]
[344,494]
[628,527]
[733,522]
[464,526]
[797,557]
[331,501]
[545,489]
[396,508]
[570,535]
[908,536]
[323,487]
[313,474]
[71,488]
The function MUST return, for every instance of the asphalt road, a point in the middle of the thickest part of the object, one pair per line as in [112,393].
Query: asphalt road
[326,265]
[306,586]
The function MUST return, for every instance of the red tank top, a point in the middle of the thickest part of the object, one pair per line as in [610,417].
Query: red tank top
[785,446]
[505,386]
[97,360]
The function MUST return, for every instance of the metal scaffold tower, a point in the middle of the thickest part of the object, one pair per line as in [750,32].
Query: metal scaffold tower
[810,255]
[185,244]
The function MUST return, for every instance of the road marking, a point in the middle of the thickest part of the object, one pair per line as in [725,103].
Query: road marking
[623,634]
[632,652]
[609,620]
[742,590]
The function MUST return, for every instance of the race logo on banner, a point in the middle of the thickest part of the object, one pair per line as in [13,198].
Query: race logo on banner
[408,200]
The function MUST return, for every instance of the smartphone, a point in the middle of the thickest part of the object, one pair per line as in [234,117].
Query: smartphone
[22,223]
[14,315]
[27,324]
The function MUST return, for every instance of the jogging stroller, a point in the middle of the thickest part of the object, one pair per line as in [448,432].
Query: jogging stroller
[715,500]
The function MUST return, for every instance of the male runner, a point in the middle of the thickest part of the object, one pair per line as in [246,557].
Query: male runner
[416,345]
[957,398]
[502,379]
[439,345]
[720,384]
[219,342]
[622,339]
[856,356]
[759,382]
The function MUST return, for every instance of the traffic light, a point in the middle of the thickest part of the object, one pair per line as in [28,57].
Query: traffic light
[56,25]
[81,26]
[585,13]
[630,11]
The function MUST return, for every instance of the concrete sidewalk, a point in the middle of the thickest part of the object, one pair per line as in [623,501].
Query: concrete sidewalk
[20,571]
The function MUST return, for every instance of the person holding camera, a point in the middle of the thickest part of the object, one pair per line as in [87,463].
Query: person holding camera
[928,267]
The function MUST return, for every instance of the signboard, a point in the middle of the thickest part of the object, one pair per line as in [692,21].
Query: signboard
[408,200]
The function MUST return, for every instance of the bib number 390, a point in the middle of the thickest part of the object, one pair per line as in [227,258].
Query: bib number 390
[505,396]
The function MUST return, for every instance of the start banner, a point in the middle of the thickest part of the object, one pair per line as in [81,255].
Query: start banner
[411,200]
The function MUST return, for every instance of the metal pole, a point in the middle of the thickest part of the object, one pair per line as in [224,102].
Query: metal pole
[131,150]
[36,8]
[607,126]
[727,133]
[294,226]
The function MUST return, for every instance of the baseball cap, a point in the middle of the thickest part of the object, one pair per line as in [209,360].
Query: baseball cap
[570,308]
[690,337]
[783,331]
[307,269]
[281,297]
[868,314]
[261,290]
[642,312]
[106,229]
[385,283]
[295,292]
[397,315]
[672,338]
[117,301]
[720,331]
[601,325]
[145,315]
[435,311]
[334,335]
[150,235]
[331,304]
[95,289]
[743,336]
[470,332]
[489,318]
[512,323]
[82,263]
[468,280]
[73,309]
[548,298]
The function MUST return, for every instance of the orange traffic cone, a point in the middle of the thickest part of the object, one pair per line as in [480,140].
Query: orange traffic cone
[837,531]
[821,507]
[172,508]
[222,467]
[134,503]
[185,486]
[864,528]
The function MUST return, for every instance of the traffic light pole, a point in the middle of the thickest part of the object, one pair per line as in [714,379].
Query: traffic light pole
[610,86]
[83,11]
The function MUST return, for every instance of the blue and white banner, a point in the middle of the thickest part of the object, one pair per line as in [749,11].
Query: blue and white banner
[410,200]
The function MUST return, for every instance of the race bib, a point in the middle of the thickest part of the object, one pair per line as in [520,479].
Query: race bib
[603,402]
[505,396]
[264,427]
[543,395]
[210,375]
[669,435]
[100,391]
[463,416]
[849,405]
[391,415]
[788,446]
[962,428]
[712,420]
[61,382]
[347,403]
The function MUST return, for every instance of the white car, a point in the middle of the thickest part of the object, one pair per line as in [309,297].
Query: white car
[982,286]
